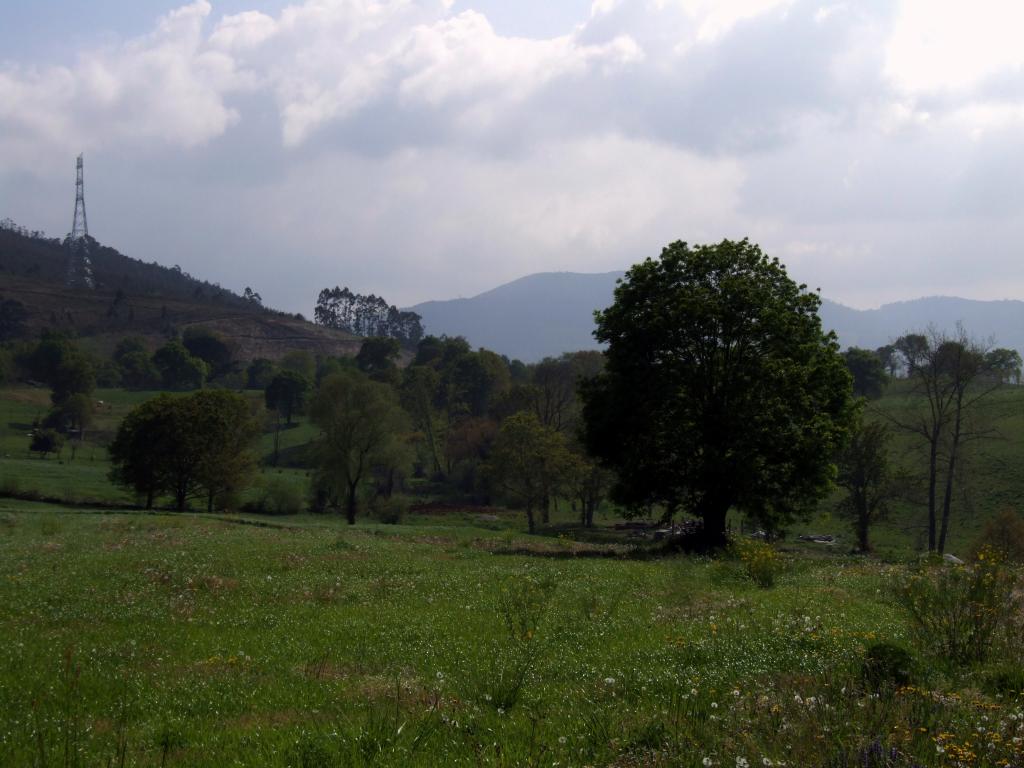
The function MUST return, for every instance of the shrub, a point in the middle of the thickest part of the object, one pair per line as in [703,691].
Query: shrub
[46,441]
[959,611]
[887,665]
[760,561]
[389,510]
[278,496]
[1004,533]
[523,603]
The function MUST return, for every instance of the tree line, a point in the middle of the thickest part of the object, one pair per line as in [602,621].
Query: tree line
[366,315]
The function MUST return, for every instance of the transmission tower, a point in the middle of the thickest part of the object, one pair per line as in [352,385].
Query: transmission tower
[79,263]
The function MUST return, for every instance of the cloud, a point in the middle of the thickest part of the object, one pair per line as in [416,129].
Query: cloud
[168,87]
[410,148]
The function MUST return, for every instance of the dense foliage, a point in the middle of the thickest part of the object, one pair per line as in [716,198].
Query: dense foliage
[185,447]
[720,388]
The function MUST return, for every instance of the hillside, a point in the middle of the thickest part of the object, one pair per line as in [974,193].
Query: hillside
[136,298]
[546,314]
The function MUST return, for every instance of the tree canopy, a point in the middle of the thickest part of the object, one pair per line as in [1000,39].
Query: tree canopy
[185,447]
[720,388]
[366,316]
[361,421]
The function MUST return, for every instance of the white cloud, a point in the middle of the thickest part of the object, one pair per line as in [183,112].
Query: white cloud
[168,86]
[949,45]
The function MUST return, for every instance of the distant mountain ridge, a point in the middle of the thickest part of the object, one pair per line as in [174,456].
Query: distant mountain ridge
[548,313]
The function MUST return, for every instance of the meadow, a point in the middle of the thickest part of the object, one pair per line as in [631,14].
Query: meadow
[162,639]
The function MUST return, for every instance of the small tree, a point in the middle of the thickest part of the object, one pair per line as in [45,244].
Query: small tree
[260,373]
[529,462]
[46,441]
[377,356]
[178,368]
[286,393]
[73,376]
[361,421]
[588,482]
[867,371]
[863,471]
[209,347]
[138,371]
[225,435]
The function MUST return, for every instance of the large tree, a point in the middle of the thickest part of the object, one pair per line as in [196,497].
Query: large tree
[185,447]
[361,421]
[720,389]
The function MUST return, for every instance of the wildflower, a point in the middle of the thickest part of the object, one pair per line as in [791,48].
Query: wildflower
[714,705]
[766,761]
[741,762]
[609,681]
[706,761]
[561,739]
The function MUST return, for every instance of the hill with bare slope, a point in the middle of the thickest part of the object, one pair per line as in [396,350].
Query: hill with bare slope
[133,298]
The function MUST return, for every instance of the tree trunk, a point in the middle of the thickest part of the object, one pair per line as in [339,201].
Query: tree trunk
[545,509]
[277,438]
[863,541]
[713,510]
[209,501]
[180,497]
[933,453]
[529,518]
[591,508]
[149,497]
[350,505]
[947,496]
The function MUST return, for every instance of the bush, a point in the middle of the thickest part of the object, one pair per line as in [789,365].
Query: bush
[887,665]
[46,441]
[958,612]
[1004,533]
[389,510]
[760,561]
[278,496]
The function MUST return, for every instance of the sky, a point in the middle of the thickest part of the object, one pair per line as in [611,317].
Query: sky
[431,149]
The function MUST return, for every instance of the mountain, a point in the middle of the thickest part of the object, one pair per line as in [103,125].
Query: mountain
[530,318]
[548,313]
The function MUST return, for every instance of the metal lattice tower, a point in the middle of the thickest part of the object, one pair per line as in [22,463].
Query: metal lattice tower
[79,263]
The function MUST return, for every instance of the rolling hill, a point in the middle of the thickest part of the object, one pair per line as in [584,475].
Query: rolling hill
[136,298]
[546,314]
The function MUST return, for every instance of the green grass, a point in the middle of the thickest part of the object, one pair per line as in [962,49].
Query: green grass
[187,640]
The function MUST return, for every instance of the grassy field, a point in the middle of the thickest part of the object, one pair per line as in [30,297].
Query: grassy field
[189,640]
[129,638]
